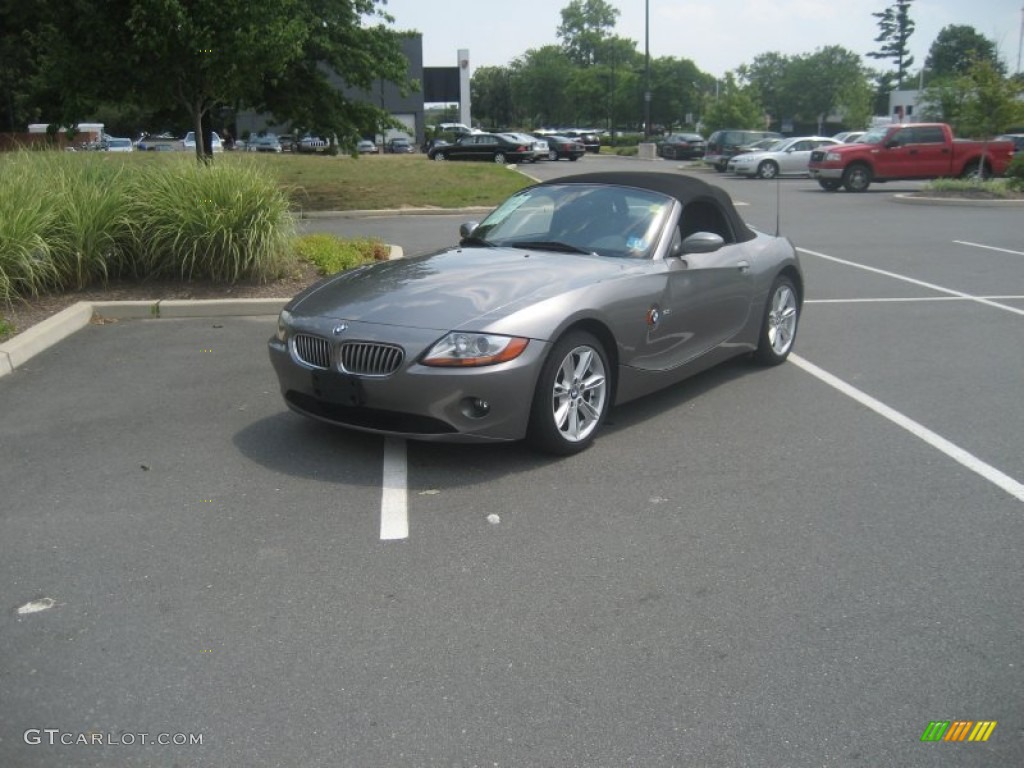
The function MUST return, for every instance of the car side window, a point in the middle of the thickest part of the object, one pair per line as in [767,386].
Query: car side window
[929,135]
[704,216]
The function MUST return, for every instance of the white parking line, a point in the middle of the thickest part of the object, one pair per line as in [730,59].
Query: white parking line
[911,298]
[955,452]
[394,505]
[989,247]
[914,281]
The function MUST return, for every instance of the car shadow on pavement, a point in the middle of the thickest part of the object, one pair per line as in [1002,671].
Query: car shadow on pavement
[304,448]
[300,447]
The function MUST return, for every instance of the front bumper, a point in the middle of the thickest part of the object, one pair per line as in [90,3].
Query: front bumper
[826,173]
[417,401]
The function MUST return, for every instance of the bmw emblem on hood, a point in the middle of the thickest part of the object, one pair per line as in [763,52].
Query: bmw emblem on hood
[340,329]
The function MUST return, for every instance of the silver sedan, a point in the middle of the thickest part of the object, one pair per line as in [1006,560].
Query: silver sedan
[573,295]
[787,158]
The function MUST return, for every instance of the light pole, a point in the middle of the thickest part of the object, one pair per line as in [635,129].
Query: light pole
[646,70]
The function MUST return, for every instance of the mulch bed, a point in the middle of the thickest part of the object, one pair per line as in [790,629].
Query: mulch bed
[25,313]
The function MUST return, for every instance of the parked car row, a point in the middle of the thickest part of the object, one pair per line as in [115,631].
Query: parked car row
[507,148]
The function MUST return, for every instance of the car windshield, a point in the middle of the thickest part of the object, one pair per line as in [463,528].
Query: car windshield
[589,218]
[873,137]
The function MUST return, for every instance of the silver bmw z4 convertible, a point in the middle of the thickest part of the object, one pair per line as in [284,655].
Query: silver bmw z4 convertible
[571,296]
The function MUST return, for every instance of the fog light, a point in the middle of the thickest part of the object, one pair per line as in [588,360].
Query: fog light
[475,407]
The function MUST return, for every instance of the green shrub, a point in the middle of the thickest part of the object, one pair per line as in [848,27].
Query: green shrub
[6,328]
[1015,173]
[333,254]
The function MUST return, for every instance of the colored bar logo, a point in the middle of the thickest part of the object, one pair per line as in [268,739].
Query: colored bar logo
[959,730]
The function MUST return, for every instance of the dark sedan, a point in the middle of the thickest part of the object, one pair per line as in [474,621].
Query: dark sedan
[399,146]
[682,146]
[563,146]
[491,147]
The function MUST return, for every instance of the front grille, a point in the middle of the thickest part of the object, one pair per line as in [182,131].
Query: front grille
[817,156]
[369,359]
[313,350]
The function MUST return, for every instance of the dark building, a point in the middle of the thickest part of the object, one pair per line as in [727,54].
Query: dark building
[388,96]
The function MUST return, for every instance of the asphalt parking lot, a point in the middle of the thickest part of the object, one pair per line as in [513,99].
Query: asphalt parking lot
[799,566]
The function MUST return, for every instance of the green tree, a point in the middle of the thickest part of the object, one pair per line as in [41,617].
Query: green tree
[956,48]
[895,28]
[491,93]
[676,88]
[823,80]
[200,56]
[767,76]
[18,62]
[539,83]
[981,102]
[732,107]
[585,25]
[992,102]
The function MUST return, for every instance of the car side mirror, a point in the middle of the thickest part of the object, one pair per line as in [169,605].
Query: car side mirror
[892,143]
[702,242]
[466,228]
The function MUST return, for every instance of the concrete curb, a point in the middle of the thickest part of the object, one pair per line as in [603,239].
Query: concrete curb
[26,345]
[908,199]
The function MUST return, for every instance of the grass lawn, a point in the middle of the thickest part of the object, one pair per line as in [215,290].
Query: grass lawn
[322,183]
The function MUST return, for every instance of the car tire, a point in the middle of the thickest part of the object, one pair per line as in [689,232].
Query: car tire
[573,158]
[720,167]
[830,185]
[779,323]
[553,155]
[857,178]
[572,397]
[440,157]
[767,170]
[499,158]
[975,171]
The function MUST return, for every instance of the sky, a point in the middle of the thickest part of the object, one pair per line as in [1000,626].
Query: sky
[717,35]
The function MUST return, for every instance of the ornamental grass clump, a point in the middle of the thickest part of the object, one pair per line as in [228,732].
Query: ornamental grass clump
[92,238]
[226,222]
[27,223]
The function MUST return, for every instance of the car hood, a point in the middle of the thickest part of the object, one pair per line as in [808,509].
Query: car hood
[451,288]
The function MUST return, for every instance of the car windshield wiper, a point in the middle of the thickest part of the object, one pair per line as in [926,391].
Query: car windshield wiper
[548,245]
[471,240]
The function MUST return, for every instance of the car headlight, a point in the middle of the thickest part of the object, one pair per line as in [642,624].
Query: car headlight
[461,349]
[283,321]
[832,157]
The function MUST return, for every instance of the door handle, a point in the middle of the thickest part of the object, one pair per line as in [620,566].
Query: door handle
[743,266]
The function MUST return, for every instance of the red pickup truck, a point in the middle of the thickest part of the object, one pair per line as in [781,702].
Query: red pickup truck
[912,151]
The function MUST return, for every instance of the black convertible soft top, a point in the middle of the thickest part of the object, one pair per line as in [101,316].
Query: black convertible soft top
[685,189]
